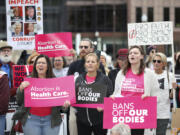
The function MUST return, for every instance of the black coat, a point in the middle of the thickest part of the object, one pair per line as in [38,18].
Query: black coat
[91,116]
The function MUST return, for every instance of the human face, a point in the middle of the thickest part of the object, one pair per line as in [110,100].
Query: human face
[135,56]
[84,48]
[157,63]
[41,67]
[58,62]
[6,55]
[30,12]
[16,11]
[31,27]
[152,52]
[18,29]
[91,64]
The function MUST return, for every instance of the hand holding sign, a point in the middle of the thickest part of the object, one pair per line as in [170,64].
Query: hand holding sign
[100,109]
[66,104]
[24,85]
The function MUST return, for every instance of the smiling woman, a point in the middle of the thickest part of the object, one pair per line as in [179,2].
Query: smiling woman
[31,117]
[166,82]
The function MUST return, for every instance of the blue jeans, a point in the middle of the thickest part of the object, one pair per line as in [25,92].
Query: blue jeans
[2,124]
[36,125]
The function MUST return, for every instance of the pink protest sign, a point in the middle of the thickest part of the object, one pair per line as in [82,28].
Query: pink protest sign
[134,111]
[49,92]
[54,44]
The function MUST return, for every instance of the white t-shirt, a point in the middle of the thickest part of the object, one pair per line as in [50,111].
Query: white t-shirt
[163,105]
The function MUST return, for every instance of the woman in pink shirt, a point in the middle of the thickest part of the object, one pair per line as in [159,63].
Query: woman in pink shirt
[135,80]
[39,120]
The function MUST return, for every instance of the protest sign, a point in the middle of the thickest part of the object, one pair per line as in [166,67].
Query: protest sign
[154,33]
[19,72]
[54,44]
[49,92]
[134,111]
[90,95]
[24,21]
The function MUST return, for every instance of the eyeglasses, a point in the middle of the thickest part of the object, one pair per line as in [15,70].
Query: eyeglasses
[4,51]
[158,61]
[85,47]
[58,60]
[43,63]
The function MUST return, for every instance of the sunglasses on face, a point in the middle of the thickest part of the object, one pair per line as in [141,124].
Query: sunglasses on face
[156,61]
[85,47]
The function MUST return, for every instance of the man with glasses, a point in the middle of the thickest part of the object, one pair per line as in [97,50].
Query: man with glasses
[77,67]
[6,66]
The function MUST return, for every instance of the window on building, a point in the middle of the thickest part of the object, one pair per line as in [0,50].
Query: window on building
[138,14]
[80,19]
[3,23]
[121,18]
[166,14]
[177,17]
[105,18]
[150,14]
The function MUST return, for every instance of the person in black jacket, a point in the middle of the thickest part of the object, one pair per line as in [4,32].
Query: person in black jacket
[76,68]
[91,120]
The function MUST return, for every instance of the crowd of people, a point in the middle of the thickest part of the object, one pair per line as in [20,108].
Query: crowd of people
[149,73]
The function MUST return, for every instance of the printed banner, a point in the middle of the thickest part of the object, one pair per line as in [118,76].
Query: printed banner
[49,92]
[90,95]
[24,21]
[19,72]
[137,113]
[54,44]
[154,33]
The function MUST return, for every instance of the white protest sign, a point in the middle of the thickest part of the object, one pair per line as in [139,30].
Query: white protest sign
[154,33]
[24,21]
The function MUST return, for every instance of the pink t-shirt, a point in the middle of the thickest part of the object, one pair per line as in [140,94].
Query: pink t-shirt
[90,79]
[133,85]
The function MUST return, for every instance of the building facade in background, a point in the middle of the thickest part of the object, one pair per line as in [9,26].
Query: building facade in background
[103,20]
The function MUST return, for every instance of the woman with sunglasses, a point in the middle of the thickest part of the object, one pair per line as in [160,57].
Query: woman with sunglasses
[166,82]
[39,120]
[141,80]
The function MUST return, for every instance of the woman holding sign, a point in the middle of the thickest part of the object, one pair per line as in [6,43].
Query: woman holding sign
[91,88]
[135,80]
[39,120]
[166,82]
